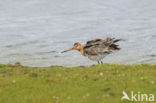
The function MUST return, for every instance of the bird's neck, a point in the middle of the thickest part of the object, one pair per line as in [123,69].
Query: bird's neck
[81,49]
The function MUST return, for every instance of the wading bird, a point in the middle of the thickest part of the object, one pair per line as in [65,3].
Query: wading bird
[96,49]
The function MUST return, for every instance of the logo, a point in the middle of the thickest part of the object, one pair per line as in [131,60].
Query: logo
[140,97]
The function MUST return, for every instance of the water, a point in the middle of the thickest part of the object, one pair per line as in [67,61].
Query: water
[34,32]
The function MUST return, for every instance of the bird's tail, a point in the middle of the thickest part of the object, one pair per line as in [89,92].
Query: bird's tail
[117,40]
[113,45]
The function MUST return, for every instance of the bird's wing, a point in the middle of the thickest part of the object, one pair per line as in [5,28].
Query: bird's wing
[94,42]
[107,41]
[96,49]
[99,46]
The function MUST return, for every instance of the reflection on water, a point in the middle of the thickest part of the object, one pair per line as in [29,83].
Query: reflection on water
[34,32]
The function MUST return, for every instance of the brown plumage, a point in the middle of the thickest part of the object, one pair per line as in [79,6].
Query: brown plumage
[96,49]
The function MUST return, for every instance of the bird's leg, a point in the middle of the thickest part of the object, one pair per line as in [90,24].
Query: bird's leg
[98,62]
[101,62]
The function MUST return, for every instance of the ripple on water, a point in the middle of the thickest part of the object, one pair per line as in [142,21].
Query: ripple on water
[21,44]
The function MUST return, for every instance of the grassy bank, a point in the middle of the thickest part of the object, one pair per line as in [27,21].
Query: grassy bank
[95,84]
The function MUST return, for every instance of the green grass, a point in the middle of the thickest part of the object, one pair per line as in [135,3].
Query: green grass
[95,84]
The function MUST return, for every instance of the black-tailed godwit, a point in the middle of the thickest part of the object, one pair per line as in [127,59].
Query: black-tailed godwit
[96,49]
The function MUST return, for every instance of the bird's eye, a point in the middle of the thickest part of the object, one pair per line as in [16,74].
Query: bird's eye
[76,44]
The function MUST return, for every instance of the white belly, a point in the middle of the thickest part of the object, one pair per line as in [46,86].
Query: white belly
[96,57]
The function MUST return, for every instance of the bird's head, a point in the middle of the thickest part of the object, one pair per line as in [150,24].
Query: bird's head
[76,46]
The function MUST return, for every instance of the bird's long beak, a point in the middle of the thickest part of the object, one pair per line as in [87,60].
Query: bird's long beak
[67,50]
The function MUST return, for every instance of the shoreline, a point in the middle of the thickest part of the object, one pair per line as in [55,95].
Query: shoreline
[18,64]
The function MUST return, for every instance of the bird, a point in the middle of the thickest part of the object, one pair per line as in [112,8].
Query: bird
[96,49]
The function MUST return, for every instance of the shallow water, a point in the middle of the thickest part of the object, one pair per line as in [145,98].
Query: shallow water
[34,32]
